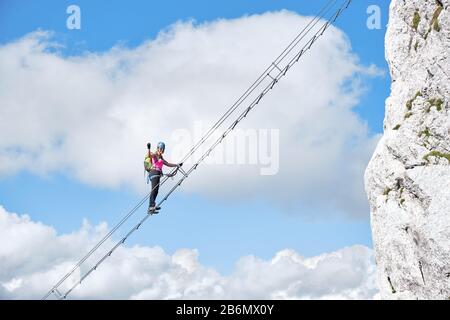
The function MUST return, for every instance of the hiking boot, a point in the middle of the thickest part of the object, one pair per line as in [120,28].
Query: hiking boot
[152,210]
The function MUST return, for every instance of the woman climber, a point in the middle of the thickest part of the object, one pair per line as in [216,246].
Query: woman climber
[153,165]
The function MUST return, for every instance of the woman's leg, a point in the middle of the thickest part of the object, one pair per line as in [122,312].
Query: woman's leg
[155,189]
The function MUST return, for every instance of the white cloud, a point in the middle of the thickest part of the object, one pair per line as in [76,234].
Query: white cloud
[33,257]
[91,115]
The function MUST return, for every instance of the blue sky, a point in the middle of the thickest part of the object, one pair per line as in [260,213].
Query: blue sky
[222,232]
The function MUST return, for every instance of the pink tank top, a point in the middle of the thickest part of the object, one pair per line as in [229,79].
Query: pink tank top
[157,164]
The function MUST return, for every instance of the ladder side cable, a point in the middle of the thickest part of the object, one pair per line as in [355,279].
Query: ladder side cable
[274,66]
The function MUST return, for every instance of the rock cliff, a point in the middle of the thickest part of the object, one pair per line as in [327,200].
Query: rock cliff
[408,177]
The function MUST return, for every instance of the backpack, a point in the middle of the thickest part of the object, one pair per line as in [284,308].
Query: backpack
[148,163]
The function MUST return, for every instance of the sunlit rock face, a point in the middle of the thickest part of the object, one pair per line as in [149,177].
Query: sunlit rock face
[408,178]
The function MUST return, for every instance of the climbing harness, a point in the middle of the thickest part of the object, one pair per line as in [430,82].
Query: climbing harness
[151,175]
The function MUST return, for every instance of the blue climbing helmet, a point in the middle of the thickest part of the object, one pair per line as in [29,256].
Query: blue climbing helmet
[161,146]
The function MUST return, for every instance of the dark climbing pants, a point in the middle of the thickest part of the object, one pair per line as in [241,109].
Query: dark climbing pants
[155,186]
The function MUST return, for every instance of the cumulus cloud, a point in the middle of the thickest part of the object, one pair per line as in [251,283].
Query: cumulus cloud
[91,115]
[33,257]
